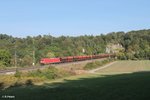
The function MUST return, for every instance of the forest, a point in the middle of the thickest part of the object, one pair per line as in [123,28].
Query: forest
[22,52]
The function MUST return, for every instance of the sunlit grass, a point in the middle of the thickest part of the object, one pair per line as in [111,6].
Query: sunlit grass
[98,86]
[133,86]
[127,67]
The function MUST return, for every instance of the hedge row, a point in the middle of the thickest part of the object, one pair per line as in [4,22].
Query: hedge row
[30,78]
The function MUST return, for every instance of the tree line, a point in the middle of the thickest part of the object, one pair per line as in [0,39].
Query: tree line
[16,51]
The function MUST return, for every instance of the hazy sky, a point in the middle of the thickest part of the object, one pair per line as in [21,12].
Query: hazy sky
[72,17]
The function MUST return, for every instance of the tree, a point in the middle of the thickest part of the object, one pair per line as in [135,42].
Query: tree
[5,57]
[121,56]
[50,55]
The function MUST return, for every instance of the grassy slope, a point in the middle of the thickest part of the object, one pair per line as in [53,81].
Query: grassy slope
[127,66]
[131,86]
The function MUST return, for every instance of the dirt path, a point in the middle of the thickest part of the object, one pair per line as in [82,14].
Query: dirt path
[105,66]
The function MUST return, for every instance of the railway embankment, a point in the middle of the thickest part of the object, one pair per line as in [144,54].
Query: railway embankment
[29,77]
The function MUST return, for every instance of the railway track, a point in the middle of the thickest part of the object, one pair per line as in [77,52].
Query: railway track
[26,69]
[13,71]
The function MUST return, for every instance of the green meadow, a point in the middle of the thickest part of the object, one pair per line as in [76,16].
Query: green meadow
[123,84]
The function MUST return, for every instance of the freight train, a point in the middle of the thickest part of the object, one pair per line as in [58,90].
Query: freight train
[57,60]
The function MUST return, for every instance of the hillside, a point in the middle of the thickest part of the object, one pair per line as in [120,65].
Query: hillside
[25,51]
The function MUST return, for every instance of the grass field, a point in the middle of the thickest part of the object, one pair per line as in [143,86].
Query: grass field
[126,67]
[123,86]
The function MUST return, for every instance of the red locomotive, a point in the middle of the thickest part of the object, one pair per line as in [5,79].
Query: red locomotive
[50,60]
[73,58]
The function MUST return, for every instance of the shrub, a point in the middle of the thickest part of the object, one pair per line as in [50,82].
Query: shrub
[16,84]
[1,85]
[105,61]
[92,65]
[49,73]
[17,74]
[5,57]
[2,65]
[29,82]
[7,80]
[98,63]
[121,56]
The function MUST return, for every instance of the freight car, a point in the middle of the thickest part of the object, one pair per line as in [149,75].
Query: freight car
[44,61]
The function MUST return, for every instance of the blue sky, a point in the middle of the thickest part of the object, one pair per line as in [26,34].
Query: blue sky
[72,17]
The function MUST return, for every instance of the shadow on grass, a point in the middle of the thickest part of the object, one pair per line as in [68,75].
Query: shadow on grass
[133,86]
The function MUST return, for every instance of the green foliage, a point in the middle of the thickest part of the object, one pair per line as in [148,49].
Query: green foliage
[130,56]
[18,74]
[26,61]
[121,56]
[136,45]
[29,82]
[2,65]
[95,64]
[5,57]
[90,65]
[50,55]
[30,78]
[49,73]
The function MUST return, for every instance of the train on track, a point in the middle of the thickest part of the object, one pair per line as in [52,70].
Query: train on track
[57,60]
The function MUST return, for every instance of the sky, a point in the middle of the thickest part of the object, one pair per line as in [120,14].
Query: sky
[21,18]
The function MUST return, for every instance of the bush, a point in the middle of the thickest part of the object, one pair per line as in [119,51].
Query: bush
[16,84]
[2,65]
[7,80]
[90,65]
[29,78]
[5,57]
[1,85]
[49,73]
[17,74]
[29,82]
[121,56]
[96,64]
[36,73]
